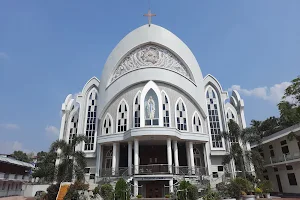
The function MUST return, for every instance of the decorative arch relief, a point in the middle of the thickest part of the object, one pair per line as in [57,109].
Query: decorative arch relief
[150,55]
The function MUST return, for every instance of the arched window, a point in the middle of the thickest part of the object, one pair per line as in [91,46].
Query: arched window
[230,115]
[214,117]
[197,126]
[122,116]
[197,157]
[108,159]
[137,110]
[91,121]
[166,109]
[107,125]
[73,127]
[181,115]
[151,109]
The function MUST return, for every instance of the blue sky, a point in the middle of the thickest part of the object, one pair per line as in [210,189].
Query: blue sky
[49,49]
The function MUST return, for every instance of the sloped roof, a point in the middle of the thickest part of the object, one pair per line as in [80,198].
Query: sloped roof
[15,162]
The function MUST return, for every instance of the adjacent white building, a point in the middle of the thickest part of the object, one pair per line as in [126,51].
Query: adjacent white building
[282,160]
[152,117]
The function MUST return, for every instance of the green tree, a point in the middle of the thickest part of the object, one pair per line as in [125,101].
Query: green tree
[72,163]
[122,190]
[107,192]
[187,191]
[289,107]
[240,155]
[20,155]
[45,167]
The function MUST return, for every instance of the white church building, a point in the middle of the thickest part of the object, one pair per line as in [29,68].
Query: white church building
[152,117]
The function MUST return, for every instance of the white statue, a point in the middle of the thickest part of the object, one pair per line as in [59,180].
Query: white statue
[150,108]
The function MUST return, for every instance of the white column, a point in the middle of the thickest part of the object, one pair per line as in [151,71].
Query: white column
[188,158]
[130,158]
[136,156]
[135,188]
[176,161]
[98,155]
[192,157]
[171,189]
[118,158]
[169,153]
[114,159]
[101,160]
[207,156]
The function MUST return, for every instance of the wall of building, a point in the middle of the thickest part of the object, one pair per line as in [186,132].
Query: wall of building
[10,188]
[281,168]
[30,190]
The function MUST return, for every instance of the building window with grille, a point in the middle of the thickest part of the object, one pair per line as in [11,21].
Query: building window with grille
[214,117]
[197,127]
[292,179]
[91,121]
[166,110]
[137,110]
[122,116]
[181,115]
[73,127]
[151,109]
[107,125]
[284,147]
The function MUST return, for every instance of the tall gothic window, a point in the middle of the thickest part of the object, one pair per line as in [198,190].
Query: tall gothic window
[166,110]
[214,117]
[91,121]
[122,117]
[151,109]
[107,125]
[137,110]
[197,127]
[197,157]
[231,116]
[181,116]
[73,127]
[108,159]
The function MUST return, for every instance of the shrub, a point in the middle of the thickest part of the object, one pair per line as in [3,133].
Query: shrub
[121,190]
[72,193]
[106,192]
[266,186]
[192,192]
[257,190]
[52,191]
[209,194]
[139,196]
[167,196]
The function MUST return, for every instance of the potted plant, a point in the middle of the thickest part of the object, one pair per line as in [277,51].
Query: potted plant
[226,191]
[241,187]
[258,192]
[266,187]
[167,196]
[139,196]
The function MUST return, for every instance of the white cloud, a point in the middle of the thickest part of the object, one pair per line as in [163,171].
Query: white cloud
[8,147]
[52,131]
[10,126]
[272,94]
[3,55]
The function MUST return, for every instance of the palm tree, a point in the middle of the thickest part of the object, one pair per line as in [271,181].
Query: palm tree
[72,163]
[238,139]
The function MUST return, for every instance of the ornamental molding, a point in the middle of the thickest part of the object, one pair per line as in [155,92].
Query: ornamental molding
[150,56]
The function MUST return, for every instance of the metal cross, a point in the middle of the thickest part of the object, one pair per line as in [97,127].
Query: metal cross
[149,15]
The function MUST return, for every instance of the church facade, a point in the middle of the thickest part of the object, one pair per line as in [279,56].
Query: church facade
[152,117]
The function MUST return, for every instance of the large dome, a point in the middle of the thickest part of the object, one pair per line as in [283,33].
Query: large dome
[151,53]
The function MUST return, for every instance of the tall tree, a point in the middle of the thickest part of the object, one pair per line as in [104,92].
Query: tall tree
[237,152]
[45,167]
[289,107]
[72,163]
[20,155]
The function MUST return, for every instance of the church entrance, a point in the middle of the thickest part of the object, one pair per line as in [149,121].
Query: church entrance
[155,189]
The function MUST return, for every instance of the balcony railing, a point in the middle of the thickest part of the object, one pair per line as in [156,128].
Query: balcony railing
[283,158]
[153,170]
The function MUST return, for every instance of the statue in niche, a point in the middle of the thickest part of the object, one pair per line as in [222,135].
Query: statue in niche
[150,107]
